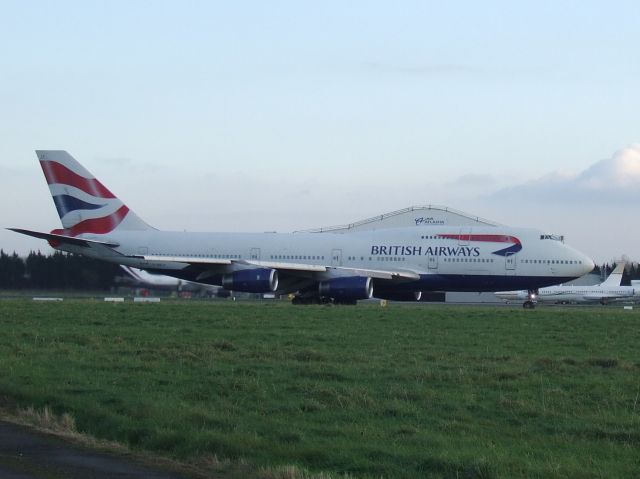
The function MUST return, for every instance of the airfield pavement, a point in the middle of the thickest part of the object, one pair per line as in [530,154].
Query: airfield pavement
[28,454]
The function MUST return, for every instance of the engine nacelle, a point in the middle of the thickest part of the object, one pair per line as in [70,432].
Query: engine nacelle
[399,295]
[347,288]
[259,280]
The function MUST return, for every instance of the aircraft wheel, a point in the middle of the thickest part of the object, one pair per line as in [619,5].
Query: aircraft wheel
[528,305]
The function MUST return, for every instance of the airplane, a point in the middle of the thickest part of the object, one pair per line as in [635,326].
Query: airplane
[143,279]
[339,266]
[607,291]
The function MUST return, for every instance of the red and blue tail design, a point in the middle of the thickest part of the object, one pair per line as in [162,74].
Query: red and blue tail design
[514,248]
[84,204]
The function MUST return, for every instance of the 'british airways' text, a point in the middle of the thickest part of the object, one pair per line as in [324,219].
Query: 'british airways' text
[399,250]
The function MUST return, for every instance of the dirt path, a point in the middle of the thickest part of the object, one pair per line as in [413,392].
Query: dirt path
[28,454]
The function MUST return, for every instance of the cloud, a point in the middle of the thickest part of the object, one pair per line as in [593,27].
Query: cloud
[622,171]
[611,180]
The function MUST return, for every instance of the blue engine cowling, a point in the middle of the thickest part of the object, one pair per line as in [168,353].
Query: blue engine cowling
[348,288]
[399,295]
[259,280]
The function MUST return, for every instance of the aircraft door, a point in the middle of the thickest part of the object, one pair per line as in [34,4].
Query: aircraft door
[433,262]
[510,263]
[336,257]
[465,236]
[143,251]
[254,253]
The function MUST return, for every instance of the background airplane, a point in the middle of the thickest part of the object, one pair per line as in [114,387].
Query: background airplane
[140,278]
[342,266]
[607,291]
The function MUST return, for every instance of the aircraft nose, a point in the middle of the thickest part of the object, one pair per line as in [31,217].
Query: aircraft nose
[588,265]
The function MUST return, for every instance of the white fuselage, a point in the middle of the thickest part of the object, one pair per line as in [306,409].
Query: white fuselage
[464,261]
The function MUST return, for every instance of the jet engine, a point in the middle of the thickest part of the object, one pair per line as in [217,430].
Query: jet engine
[399,295]
[260,280]
[348,288]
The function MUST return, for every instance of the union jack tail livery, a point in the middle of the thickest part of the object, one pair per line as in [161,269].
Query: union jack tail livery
[84,204]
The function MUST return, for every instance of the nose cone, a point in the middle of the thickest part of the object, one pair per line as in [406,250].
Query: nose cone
[588,265]
[582,264]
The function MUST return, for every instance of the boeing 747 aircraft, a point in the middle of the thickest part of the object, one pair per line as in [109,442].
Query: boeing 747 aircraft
[608,291]
[341,266]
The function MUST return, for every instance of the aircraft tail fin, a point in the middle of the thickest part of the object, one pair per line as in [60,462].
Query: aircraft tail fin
[615,278]
[84,204]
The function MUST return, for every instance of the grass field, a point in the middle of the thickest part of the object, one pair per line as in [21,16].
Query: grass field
[403,391]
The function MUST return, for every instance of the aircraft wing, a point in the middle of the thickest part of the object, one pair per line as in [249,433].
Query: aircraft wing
[380,274]
[214,265]
[186,260]
[372,273]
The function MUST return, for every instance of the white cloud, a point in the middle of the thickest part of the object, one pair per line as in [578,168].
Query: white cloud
[614,179]
[621,171]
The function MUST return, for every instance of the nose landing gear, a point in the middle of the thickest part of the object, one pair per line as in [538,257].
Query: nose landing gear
[532,296]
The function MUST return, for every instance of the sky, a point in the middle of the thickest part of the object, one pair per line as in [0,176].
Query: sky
[287,115]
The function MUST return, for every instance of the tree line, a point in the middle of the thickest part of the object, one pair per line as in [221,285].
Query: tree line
[55,271]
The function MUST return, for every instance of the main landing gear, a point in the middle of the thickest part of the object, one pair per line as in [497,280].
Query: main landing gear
[530,303]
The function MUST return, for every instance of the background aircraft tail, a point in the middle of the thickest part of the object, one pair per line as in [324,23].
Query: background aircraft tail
[615,278]
[84,204]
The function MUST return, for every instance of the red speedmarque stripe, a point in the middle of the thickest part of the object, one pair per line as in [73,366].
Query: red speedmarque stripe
[486,238]
[58,173]
[97,226]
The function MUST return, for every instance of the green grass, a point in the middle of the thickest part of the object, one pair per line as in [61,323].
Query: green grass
[403,391]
